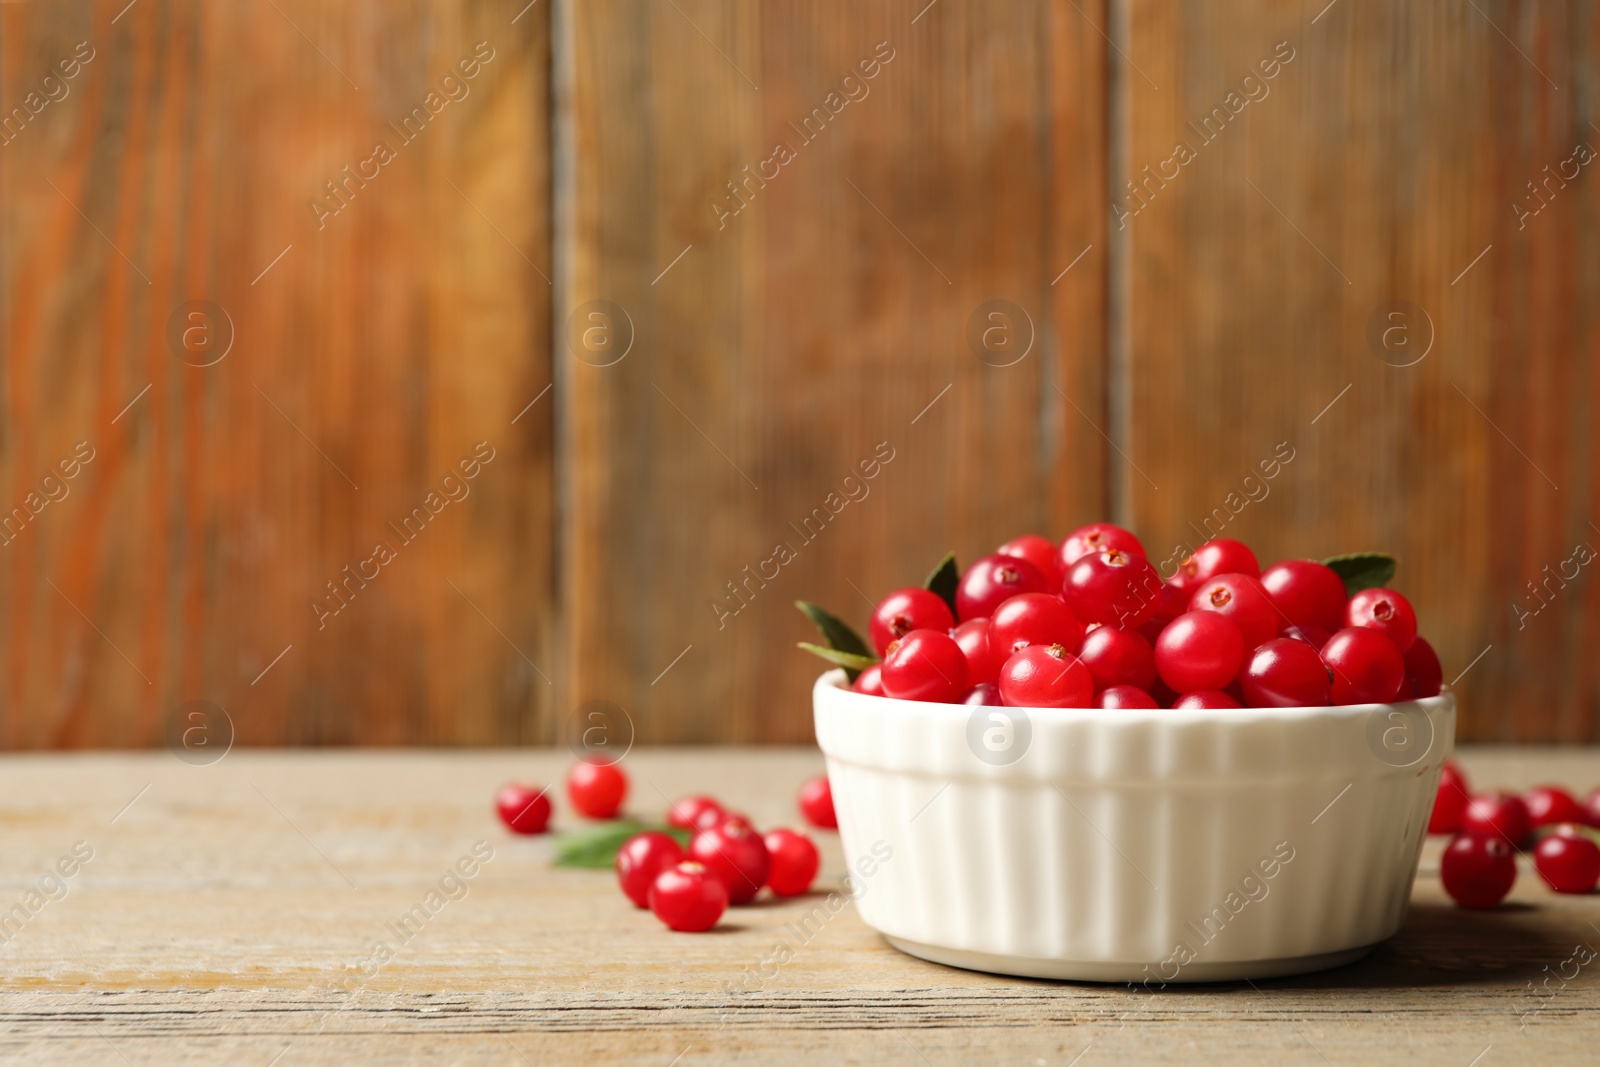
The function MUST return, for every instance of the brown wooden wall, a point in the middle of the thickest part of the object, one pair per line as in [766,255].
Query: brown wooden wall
[682,267]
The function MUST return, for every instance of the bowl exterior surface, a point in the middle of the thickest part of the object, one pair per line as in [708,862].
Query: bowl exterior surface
[1141,846]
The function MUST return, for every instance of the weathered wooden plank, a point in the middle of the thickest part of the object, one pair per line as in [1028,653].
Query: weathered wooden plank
[388,313]
[846,186]
[1382,163]
[213,922]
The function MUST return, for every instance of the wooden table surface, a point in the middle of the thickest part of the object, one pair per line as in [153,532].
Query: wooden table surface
[231,913]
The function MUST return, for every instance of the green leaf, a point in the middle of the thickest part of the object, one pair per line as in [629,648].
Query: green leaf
[944,579]
[852,663]
[596,848]
[1363,570]
[835,631]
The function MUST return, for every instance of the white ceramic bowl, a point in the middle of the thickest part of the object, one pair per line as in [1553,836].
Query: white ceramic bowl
[1132,846]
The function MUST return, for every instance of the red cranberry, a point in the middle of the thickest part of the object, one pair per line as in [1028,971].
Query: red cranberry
[1204,700]
[1424,676]
[1096,537]
[1283,673]
[1124,696]
[1118,657]
[1046,676]
[1366,668]
[1310,633]
[1477,871]
[640,859]
[686,812]
[1240,599]
[816,803]
[1039,551]
[905,610]
[1568,861]
[1199,650]
[1591,805]
[925,665]
[1497,814]
[973,637]
[735,853]
[524,808]
[993,580]
[1385,611]
[688,897]
[1113,587]
[1307,592]
[1032,619]
[982,695]
[1450,802]
[869,681]
[1550,804]
[1172,602]
[794,862]
[1219,556]
[710,820]
[597,789]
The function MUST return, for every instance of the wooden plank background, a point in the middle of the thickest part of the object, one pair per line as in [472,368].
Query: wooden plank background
[788,302]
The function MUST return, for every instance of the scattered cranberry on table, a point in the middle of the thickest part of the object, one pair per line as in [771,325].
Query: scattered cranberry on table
[640,859]
[735,853]
[1549,805]
[597,789]
[688,897]
[816,803]
[1478,871]
[524,808]
[687,813]
[794,862]
[1497,814]
[1451,802]
[1568,861]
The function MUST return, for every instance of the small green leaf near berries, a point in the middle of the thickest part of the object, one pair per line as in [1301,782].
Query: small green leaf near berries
[596,849]
[835,631]
[853,664]
[944,579]
[1363,570]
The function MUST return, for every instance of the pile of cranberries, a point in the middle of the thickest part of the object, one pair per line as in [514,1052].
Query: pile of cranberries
[726,860]
[1091,623]
[1479,864]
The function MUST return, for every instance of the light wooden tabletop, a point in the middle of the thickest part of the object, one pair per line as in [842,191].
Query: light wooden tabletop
[232,914]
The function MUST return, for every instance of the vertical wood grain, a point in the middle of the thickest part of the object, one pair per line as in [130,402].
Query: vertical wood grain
[1386,157]
[391,337]
[818,320]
